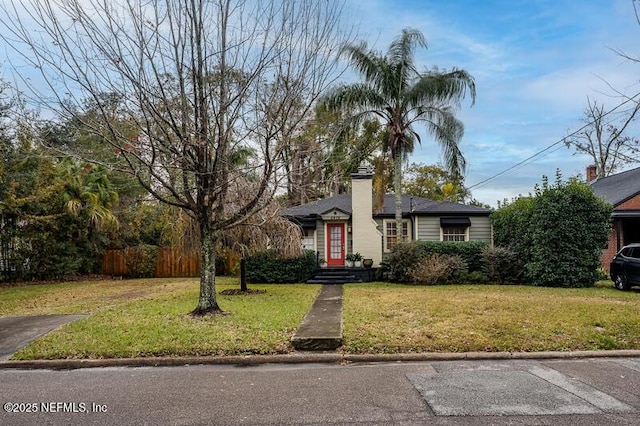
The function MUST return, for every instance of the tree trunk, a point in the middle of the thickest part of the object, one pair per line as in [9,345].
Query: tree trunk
[207,303]
[243,275]
[397,189]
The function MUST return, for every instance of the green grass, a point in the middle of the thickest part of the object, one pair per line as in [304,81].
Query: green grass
[137,318]
[156,322]
[387,318]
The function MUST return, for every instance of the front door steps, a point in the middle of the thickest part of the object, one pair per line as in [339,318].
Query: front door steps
[342,275]
[321,328]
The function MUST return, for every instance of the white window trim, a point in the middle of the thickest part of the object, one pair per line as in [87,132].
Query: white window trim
[315,240]
[384,231]
[466,234]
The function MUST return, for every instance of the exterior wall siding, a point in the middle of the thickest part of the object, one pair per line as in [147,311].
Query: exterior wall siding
[480,229]
[429,228]
[320,239]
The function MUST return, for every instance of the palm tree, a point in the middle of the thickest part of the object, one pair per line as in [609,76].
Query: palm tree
[88,198]
[88,194]
[397,94]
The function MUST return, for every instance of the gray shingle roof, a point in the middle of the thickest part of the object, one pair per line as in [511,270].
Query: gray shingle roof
[421,206]
[617,189]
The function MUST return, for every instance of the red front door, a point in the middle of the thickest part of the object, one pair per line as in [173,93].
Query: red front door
[335,244]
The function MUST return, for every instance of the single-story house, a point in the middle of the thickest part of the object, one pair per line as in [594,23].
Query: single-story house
[346,223]
[622,190]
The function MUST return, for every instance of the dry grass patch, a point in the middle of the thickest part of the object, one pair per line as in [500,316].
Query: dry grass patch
[83,296]
[386,318]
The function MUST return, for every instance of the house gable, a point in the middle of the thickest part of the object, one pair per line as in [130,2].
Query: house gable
[620,189]
[632,203]
[335,214]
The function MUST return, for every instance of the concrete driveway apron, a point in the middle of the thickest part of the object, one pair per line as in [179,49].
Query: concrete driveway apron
[17,332]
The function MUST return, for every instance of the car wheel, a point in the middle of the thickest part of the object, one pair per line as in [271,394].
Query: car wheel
[621,282]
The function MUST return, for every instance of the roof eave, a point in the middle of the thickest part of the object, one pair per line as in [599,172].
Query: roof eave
[625,199]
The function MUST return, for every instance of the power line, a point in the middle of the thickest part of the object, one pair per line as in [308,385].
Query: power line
[537,154]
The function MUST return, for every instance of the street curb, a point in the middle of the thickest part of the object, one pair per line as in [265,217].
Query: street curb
[311,358]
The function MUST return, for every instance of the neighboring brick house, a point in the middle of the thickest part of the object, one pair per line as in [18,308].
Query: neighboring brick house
[346,223]
[623,192]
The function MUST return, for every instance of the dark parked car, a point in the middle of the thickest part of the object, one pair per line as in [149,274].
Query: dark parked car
[625,267]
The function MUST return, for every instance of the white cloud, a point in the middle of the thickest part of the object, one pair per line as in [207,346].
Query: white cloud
[568,88]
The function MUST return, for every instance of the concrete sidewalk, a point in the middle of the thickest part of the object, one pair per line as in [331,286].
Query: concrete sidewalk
[321,328]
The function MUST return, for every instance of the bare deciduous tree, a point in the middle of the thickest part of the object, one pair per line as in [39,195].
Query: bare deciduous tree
[604,138]
[201,81]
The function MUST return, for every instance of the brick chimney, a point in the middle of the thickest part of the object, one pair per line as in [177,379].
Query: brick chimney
[592,173]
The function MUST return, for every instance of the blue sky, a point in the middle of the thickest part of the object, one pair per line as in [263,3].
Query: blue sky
[534,63]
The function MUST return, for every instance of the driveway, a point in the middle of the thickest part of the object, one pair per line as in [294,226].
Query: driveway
[17,332]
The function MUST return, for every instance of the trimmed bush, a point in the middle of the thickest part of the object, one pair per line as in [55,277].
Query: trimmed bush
[512,226]
[502,265]
[402,259]
[437,268]
[469,251]
[268,267]
[405,257]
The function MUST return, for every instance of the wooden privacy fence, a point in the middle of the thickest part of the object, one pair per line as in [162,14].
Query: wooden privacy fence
[170,263]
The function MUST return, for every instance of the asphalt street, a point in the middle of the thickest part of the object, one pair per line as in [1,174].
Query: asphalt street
[591,391]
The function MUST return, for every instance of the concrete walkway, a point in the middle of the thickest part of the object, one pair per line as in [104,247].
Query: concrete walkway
[321,328]
[16,332]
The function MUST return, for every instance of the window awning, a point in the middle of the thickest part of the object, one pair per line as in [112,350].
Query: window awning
[455,221]
[307,224]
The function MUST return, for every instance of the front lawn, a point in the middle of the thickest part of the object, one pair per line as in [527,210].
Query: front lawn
[388,318]
[135,318]
[84,297]
[149,318]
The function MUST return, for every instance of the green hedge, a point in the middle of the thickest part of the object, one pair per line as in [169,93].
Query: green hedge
[469,251]
[405,257]
[558,233]
[268,267]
